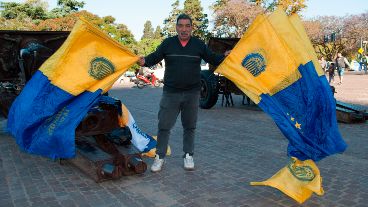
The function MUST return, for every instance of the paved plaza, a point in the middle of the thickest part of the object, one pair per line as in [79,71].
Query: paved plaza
[234,146]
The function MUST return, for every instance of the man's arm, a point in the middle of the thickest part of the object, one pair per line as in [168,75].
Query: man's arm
[347,62]
[153,58]
[213,58]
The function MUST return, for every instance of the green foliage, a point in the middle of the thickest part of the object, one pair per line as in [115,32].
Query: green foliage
[16,24]
[12,10]
[109,20]
[148,30]
[147,46]
[192,8]
[200,20]
[66,7]
[170,22]
[290,6]
[158,33]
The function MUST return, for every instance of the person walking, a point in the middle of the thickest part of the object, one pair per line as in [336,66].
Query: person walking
[341,63]
[323,64]
[331,73]
[365,63]
[181,92]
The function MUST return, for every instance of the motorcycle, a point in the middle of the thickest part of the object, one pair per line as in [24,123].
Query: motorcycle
[142,81]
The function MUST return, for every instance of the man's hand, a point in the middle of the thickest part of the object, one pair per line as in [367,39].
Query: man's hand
[141,61]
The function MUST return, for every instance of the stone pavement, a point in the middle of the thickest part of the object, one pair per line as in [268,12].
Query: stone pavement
[234,146]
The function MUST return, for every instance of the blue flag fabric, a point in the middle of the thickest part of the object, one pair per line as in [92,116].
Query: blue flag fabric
[305,113]
[43,118]
[274,64]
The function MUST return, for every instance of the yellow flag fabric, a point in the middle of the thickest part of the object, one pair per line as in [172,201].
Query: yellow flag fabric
[44,116]
[284,46]
[299,180]
[87,61]
[152,152]
[275,65]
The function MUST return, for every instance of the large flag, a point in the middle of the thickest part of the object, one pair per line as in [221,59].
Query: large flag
[275,65]
[45,115]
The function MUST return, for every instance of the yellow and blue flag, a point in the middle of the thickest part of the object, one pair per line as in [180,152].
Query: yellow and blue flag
[45,115]
[299,180]
[142,141]
[275,65]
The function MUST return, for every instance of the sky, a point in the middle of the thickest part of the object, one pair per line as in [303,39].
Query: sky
[136,12]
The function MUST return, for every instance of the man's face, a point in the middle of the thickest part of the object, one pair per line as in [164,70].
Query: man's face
[184,29]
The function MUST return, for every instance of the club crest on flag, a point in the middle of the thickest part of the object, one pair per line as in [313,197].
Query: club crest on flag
[255,63]
[100,68]
[302,173]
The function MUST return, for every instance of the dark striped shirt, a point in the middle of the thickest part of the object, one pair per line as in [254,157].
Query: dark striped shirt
[182,64]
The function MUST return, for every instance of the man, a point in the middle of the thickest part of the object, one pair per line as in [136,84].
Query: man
[341,63]
[182,55]
[365,63]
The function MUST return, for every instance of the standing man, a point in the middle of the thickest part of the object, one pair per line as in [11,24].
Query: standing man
[341,63]
[181,91]
[365,63]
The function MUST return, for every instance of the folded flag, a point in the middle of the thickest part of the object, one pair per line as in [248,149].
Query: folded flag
[275,65]
[43,118]
[299,180]
[141,140]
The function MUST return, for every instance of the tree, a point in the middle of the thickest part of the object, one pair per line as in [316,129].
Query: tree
[331,34]
[290,6]
[200,21]
[170,22]
[148,30]
[230,20]
[34,9]
[109,20]
[158,33]
[16,24]
[66,7]
[147,46]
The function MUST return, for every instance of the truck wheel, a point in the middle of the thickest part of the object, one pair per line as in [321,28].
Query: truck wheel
[209,89]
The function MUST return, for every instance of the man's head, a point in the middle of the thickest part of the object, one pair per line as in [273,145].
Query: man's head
[184,27]
[339,54]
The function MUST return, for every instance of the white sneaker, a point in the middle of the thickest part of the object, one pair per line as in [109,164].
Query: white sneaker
[188,162]
[157,164]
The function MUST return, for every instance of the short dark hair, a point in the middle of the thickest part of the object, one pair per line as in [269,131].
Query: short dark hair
[183,16]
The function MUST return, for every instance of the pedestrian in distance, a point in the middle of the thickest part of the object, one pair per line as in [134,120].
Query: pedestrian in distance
[331,73]
[365,63]
[323,64]
[341,63]
[182,54]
